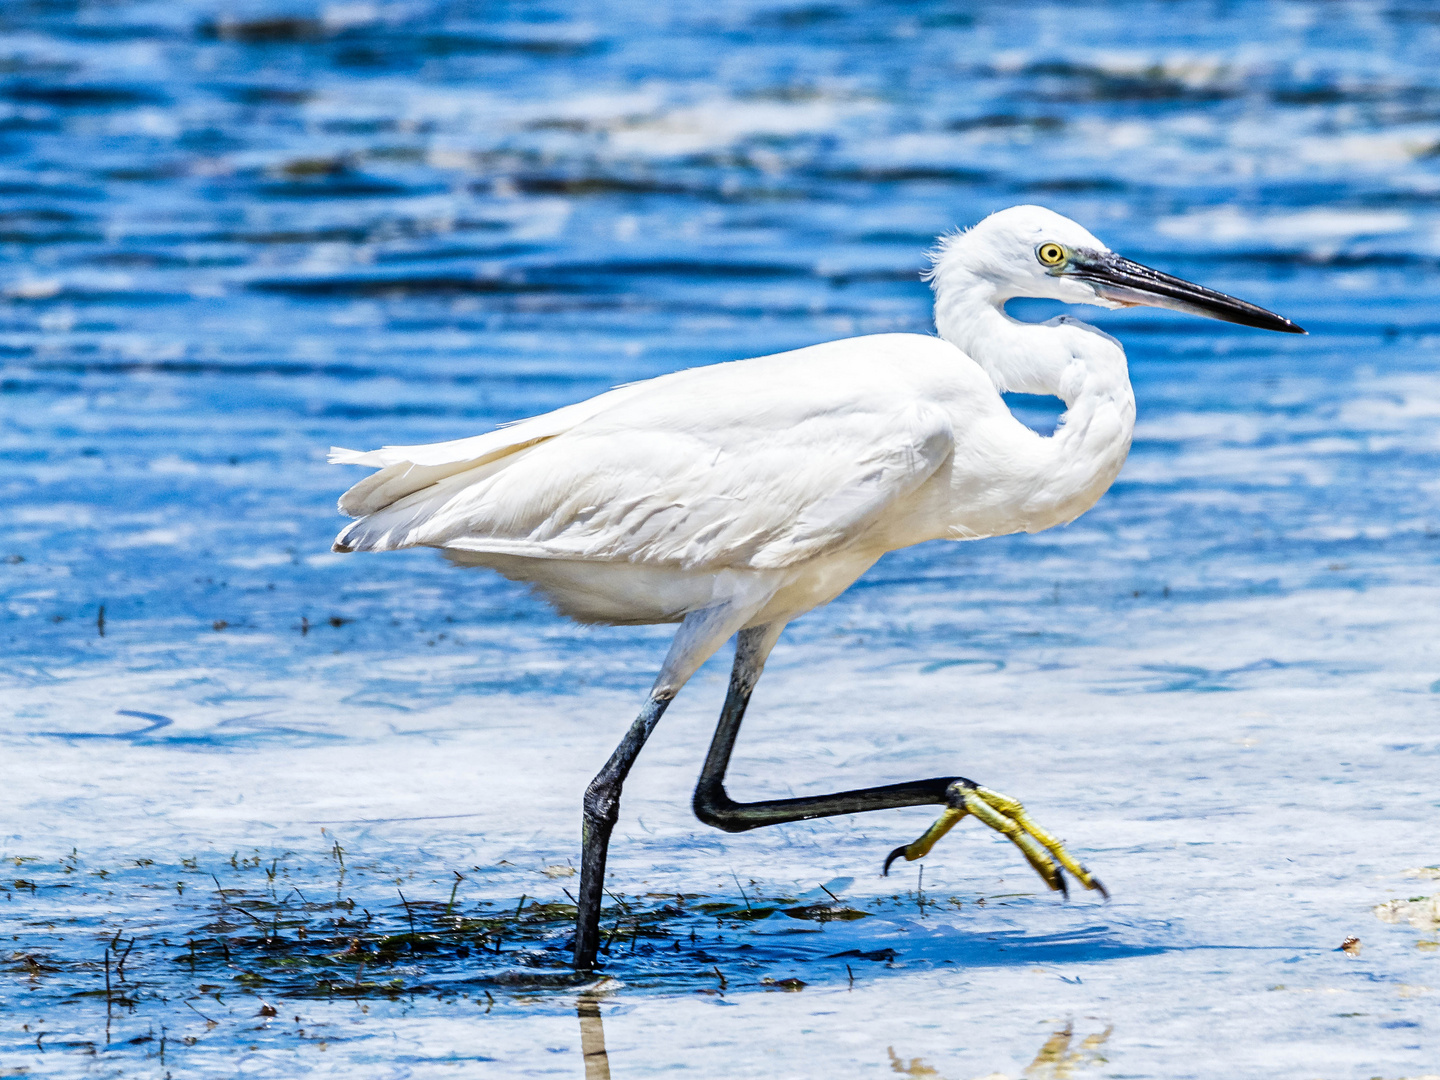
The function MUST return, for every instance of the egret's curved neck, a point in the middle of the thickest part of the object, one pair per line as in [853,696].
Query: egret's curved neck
[1029,358]
[1066,358]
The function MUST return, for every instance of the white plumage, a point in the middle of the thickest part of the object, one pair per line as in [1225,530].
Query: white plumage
[788,474]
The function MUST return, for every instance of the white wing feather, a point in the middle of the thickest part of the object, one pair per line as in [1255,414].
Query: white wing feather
[406,469]
[689,470]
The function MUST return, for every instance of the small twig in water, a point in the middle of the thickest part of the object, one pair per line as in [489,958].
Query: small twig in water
[408,913]
[623,906]
[718,975]
[198,1013]
[235,907]
[120,968]
[459,877]
[339,854]
[742,891]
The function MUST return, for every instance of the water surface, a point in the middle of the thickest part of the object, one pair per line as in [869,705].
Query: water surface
[232,235]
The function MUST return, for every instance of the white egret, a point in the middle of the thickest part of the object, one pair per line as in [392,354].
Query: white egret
[733,498]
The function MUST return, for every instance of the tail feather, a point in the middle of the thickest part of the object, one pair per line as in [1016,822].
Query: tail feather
[394,522]
[405,470]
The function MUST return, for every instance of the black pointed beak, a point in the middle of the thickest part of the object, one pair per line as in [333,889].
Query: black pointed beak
[1127,282]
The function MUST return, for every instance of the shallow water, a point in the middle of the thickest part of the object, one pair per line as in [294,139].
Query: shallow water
[234,235]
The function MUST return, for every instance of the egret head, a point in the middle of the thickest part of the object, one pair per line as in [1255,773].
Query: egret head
[1032,251]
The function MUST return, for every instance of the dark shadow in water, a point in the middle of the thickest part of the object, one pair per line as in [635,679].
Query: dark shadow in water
[156,723]
[247,729]
[1088,944]
[1175,678]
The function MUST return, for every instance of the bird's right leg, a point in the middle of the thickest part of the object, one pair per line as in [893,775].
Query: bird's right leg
[961,797]
[700,634]
[602,810]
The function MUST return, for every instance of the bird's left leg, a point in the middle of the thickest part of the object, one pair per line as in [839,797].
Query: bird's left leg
[960,796]
[1007,817]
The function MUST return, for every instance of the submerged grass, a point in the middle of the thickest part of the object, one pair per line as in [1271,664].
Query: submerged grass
[208,933]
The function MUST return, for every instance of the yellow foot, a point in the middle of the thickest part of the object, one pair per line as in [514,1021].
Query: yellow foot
[1005,815]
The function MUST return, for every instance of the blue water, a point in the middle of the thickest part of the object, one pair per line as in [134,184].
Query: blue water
[232,236]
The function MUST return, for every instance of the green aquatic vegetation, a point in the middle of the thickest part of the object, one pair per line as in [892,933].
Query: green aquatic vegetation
[280,928]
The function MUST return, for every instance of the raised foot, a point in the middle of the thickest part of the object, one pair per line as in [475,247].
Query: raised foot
[1006,816]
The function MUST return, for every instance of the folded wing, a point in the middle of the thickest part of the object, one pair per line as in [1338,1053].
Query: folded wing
[407,469]
[678,472]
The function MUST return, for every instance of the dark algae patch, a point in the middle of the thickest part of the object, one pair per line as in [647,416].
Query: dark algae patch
[245,943]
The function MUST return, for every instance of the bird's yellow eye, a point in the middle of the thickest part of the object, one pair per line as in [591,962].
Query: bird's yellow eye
[1050,254]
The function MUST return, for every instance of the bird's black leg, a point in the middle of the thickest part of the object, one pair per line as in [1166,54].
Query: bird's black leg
[960,796]
[700,634]
[602,809]
[713,804]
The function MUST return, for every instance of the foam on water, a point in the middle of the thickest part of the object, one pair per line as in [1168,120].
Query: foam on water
[232,235]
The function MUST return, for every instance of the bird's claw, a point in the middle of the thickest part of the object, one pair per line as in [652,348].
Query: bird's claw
[1007,817]
[901,850]
[921,847]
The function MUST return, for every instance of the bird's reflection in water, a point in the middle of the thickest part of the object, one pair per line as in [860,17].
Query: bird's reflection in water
[916,1066]
[1056,1060]
[592,1037]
